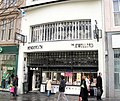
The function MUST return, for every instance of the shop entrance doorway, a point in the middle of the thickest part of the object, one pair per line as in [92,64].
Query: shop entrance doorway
[30,74]
[34,78]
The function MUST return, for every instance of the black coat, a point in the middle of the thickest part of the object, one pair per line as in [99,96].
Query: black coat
[84,91]
[99,82]
[62,86]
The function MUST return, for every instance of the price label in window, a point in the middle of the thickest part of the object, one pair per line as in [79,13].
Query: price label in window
[78,76]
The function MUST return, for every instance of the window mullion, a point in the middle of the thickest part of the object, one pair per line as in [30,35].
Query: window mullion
[60,31]
[53,31]
[78,30]
[45,32]
[85,27]
[72,29]
[63,30]
[82,27]
[48,33]
[40,33]
[36,33]
[75,29]
[4,36]
[56,31]
[44,28]
[55,28]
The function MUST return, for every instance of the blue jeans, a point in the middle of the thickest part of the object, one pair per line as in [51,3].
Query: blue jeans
[3,83]
[48,93]
[6,84]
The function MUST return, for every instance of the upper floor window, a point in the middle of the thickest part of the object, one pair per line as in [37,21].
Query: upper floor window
[10,28]
[117,68]
[116,5]
[3,29]
[9,3]
[67,30]
[6,29]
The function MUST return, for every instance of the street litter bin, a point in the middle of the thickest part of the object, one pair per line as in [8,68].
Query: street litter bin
[25,87]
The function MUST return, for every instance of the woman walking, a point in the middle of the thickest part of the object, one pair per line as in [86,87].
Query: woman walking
[48,87]
[84,91]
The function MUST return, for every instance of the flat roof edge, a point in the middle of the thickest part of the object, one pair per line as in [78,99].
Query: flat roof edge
[39,4]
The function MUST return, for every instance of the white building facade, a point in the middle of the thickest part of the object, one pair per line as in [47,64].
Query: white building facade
[61,40]
[112,32]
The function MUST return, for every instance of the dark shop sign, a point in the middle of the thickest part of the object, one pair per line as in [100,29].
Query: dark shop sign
[83,45]
[35,47]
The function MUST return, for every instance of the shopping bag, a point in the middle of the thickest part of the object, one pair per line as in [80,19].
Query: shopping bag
[12,90]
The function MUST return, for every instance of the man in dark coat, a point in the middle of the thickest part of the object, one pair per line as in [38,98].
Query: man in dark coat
[99,86]
[62,89]
[62,84]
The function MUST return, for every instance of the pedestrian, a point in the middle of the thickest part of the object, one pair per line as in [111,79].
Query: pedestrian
[7,80]
[62,90]
[88,84]
[99,86]
[49,82]
[15,84]
[83,91]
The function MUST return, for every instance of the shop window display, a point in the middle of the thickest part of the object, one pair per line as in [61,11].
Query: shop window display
[71,64]
[71,78]
[7,63]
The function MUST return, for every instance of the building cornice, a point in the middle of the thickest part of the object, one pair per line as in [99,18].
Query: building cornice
[42,4]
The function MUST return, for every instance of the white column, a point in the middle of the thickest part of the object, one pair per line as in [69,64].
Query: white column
[20,69]
[102,68]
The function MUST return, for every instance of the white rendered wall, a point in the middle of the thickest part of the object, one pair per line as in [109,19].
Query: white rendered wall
[61,12]
[67,11]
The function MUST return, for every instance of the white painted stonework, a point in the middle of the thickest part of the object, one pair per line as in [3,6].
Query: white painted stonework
[63,12]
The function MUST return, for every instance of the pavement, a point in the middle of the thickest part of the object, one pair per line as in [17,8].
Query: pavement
[37,96]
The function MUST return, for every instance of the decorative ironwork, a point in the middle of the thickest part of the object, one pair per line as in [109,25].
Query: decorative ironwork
[64,30]
[97,32]
[63,59]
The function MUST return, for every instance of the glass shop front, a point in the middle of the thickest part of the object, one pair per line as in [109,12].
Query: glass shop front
[71,64]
